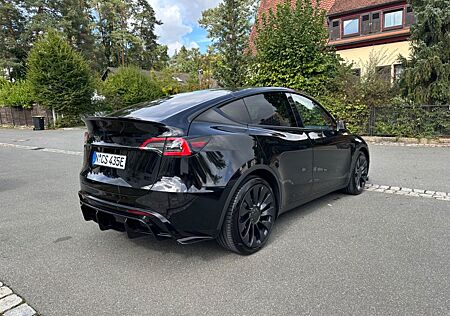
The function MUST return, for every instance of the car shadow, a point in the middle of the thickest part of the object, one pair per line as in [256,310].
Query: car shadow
[210,250]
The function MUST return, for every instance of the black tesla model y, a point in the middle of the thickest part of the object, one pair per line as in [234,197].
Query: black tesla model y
[215,164]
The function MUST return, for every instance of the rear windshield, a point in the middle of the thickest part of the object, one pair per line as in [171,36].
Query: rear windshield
[163,108]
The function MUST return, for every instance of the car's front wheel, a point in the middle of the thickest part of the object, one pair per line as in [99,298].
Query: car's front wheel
[249,218]
[359,175]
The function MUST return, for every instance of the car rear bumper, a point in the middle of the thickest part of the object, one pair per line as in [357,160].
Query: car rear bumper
[139,222]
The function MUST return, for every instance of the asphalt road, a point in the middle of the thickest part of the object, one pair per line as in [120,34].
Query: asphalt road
[371,254]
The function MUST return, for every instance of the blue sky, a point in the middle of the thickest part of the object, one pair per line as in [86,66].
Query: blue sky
[180,23]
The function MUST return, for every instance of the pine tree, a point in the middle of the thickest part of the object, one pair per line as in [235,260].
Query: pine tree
[145,53]
[291,49]
[60,78]
[426,79]
[13,49]
[76,25]
[126,32]
[228,26]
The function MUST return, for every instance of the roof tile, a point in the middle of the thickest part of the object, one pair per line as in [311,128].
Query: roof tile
[342,6]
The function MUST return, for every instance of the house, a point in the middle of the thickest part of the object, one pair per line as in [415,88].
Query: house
[364,32]
[371,32]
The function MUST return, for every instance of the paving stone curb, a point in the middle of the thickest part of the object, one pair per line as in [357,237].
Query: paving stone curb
[438,195]
[12,304]
[409,142]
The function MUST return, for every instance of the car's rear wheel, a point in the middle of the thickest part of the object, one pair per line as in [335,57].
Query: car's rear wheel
[359,175]
[249,218]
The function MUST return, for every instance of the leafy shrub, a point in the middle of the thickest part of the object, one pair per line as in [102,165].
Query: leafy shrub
[69,121]
[354,114]
[17,94]
[128,86]
[404,119]
[59,76]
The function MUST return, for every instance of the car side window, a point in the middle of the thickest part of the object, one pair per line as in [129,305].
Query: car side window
[311,114]
[236,111]
[270,108]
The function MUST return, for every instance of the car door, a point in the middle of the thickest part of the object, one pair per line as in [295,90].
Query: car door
[287,148]
[331,148]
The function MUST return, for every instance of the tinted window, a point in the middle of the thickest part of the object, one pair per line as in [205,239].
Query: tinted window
[312,115]
[213,116]
[270,109]
[163,108]
[236,111]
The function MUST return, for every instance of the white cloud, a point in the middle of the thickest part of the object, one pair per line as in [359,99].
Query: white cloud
[179,17]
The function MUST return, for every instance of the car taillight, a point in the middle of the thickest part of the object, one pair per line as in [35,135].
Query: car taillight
[175,146]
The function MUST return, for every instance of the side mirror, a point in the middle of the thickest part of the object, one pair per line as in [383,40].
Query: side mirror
[341,127]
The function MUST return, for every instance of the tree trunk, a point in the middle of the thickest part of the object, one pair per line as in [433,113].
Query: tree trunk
[54,116]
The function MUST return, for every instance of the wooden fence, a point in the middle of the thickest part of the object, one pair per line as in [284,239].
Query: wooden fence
[15,116]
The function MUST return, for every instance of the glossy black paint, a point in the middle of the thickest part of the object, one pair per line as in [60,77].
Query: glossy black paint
[186,197]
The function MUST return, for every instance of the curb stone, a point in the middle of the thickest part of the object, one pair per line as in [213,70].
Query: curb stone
[12,304]
[430,194]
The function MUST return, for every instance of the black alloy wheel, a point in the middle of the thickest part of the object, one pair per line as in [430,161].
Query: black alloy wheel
[359,175]
[361,172]
[256,214]
[250,217]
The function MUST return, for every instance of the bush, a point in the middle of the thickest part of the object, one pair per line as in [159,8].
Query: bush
[17,94]
[59,76]
[128,86]
[404,119]
[69,121]
[354,114]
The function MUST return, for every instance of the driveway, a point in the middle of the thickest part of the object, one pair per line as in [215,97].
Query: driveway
[375,253]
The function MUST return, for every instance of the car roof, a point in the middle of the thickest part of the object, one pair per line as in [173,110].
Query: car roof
[180,107]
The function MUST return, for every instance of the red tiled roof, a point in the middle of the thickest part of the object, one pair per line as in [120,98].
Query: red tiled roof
[266,5]
[342,6]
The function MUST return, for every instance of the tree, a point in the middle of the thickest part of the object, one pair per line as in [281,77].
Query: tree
[426,77]
[291,49]
[186,60]
[60,78]
[12,47]
[228,26]
[126,32]
[76,24]
[145,54]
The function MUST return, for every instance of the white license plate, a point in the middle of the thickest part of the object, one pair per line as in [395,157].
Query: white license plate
[109,160]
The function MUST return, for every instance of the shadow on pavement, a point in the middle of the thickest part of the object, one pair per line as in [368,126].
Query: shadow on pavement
[210,250]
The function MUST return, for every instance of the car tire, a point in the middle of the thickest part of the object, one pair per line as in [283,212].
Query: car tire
[359,174]
[249,218]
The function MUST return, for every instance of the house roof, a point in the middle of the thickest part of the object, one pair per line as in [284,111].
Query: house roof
[266,5]
[347,6]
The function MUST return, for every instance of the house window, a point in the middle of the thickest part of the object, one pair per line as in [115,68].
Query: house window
[393,19]
[384,72]
[351,27]
[398,70]
[356,72]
